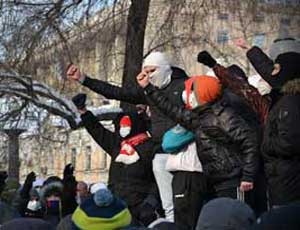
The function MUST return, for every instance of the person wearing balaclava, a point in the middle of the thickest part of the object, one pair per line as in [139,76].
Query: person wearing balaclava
[281,144]
[130,173]
[170,81]
[281,118]
[227,147]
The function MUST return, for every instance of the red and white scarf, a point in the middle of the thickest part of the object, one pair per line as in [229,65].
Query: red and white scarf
[128,155]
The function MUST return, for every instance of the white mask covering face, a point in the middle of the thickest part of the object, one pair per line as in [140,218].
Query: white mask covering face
[161,77]
[124,131]
[260,84]
[263,87]
[192,99]
[34,205]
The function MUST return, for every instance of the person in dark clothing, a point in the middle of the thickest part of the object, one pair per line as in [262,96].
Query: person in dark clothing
[283,218]
[130,173]
[281,143]
[170,81]
[7,212]
[227,147]
[27,201]
[239,86]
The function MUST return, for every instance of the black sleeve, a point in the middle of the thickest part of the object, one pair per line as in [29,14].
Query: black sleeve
[261,62]
[105,138]
[130,94]
[246,138]
[282,137]
[184,117]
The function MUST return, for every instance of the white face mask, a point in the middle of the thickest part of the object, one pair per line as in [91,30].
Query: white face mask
[260,84]
[192,99]
[34,205]
[161,77]
[124,131]
[263,87]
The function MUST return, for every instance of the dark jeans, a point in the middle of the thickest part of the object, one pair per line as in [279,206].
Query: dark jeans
[189,195]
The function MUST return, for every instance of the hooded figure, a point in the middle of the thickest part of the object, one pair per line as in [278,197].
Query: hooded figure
[281,143]
[130,173]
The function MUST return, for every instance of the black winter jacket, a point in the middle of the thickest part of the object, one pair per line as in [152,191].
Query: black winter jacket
[133,182]
[227,147]
[281,146]
[134,94]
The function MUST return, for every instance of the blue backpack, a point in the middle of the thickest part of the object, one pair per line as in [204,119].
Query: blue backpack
[176,139]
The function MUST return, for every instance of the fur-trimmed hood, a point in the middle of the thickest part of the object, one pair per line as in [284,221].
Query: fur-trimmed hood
[291,87]
[51,188]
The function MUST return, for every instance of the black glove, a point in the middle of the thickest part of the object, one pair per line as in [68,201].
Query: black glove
[28,185]
[205,58]
[30,178]
[68,171]
[79,100]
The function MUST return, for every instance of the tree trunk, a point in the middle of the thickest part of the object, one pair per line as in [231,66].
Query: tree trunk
[13,153]
[136,26]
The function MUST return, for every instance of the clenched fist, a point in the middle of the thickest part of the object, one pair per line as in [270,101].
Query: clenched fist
[246,186]
[143,79]
[74,73]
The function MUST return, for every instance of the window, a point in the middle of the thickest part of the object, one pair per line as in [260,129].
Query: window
[259,18]
[73,157]
[223,16]
[223,37]
[103,161]
[88,155]
[259,40]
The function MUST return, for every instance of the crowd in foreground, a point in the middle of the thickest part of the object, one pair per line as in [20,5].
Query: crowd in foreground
[215,151]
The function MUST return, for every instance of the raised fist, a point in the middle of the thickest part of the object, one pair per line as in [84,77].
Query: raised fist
[205,58]
[30,178]
[143,79]
[74,73]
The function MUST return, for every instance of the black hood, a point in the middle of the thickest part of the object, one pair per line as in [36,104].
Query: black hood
[289,69]
[138,123]
[264,65]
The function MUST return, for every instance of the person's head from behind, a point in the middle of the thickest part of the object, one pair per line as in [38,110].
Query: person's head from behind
[225,214]
[102,210]
[158,66]
[201,90]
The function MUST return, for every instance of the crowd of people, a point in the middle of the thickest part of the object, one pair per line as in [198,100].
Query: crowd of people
[208,152]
